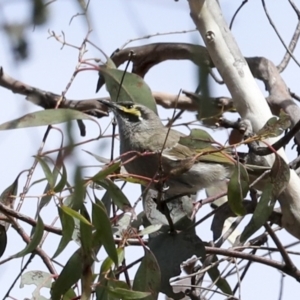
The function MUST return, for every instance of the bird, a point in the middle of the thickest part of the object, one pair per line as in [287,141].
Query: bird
[150,150]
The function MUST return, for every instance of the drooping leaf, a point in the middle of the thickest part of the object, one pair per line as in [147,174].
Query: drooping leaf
[238,188]
[275,126]
[183,246]
[78,195]
[85,234]
[47,171]
[279,175]
[8,199]
[39,12]
[132,88]
[67,223]
[106,200]
[62,182]
[261,214]
[99,158]
[35,240]
[69,275]
[150,229]
[108,263]
[3,239]
[75,214]
[51,178]
[101,288]
[106,171]
[45,117]
[69,295]
[103,226]
[148,277]
[216,277]
[127,294]
[116,194]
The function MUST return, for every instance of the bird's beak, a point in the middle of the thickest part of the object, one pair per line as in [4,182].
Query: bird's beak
[110,104]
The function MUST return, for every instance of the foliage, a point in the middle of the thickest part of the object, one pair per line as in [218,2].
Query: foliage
[101,219]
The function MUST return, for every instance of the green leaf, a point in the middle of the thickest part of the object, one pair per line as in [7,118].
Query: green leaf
[86,234]
[108,263]
[215,276]
[69,295]
[238,188]
[118,197]
[63,180]
[47,171]
[69,275]
[106,200]
[51,178]
[170,250]
[101,288]
[75,214]
[147,278]
[280,176]
[78,195]
[7,197]
[106,171]
[67,223]
[150,229]
[275,126]
[99,158]
[261,214]
[103,226]
[35,240]
[3,239]
[132,88]
[127,294]
[45,118]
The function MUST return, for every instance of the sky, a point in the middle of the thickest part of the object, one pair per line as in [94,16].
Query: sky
[115,22]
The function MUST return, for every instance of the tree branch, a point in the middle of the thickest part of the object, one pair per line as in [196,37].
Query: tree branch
[247,98]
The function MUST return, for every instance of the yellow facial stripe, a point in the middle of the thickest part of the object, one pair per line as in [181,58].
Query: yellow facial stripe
[132,111]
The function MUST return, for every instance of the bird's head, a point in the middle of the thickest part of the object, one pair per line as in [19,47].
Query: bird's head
[133,117]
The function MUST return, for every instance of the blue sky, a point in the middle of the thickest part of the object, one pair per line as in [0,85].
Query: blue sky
[114,22]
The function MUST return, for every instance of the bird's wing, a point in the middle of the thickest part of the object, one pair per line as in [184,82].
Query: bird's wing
[170,146]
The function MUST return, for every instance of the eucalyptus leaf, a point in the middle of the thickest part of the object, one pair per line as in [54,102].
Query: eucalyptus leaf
[106,171]
[148,277]
[116,194]
[68,224]
[275,126]
[103,226]
[238,188]
[47,171]
[68,210]
[69,275]
[3,239]
[45,117]
[127,294]
[35,240]
[133,88]
[279,175]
